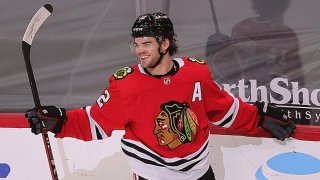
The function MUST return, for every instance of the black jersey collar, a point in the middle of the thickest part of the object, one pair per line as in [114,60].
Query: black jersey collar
[172,71]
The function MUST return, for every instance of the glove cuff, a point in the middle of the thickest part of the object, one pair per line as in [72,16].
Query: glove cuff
[60,121]
[63,113]
[262,110]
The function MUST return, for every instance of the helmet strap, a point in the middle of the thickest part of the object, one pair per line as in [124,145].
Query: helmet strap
[160,58]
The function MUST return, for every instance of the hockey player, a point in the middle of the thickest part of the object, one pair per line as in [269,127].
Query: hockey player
[165,105]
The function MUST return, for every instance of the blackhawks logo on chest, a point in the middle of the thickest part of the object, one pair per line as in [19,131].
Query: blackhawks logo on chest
[175,124]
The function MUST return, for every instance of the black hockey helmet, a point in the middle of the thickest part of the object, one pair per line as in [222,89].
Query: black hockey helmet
[155,24]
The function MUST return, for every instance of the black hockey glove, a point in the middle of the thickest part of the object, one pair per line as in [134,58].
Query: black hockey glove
[275,121]
[51,117]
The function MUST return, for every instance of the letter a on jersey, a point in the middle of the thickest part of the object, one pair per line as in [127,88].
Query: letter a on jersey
[197,92]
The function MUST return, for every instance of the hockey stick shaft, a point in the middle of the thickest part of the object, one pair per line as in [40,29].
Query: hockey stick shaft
[214,16]
[166,7]
[35,23]
[26,48]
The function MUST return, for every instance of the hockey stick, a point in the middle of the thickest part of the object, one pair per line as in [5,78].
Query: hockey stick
[37,20]
[166,7]
[217,41]
[214,16]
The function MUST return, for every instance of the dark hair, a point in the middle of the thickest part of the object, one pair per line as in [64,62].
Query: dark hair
[156,25]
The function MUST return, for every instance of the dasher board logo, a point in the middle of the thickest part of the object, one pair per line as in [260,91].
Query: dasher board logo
[301,104]
[304,115]
[290,166]
[4,170]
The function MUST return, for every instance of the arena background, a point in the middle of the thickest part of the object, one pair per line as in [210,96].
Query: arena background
[84,42]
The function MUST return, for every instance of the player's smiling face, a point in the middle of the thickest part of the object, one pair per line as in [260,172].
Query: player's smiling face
[147,50]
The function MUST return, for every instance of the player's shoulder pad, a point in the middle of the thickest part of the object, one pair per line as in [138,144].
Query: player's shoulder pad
[195,60]
[122,73]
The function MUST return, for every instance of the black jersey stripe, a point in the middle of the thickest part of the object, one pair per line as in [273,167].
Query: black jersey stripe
[226,121]
[99,136]
[160,160]
[147,161]
[187,168]
[176,163]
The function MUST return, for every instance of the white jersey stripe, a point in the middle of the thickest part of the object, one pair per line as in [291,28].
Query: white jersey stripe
[144,161]
[94,126]
[140,152]
[231,115]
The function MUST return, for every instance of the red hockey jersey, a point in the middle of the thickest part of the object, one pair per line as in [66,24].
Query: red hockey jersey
[165,118]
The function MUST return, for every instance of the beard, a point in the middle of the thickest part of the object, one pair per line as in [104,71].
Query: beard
[149,63]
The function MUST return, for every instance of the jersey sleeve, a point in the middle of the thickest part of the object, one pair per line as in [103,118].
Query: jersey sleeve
[225,110]
[111,111]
